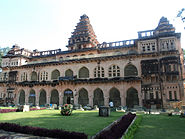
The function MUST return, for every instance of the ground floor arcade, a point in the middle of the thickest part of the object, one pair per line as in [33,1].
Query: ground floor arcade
[121,94]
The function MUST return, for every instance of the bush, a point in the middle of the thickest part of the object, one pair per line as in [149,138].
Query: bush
[43,132]
[66,110]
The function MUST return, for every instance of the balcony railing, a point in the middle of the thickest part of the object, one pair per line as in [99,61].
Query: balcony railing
[116,44]
[77,58]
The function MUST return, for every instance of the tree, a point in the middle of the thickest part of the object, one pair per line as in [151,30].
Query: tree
[3,52]
[181,15]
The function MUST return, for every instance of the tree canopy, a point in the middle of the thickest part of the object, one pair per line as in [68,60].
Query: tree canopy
[181,15]
[3,52]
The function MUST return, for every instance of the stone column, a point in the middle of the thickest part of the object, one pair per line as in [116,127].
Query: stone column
[75,94]
[26,97]
[61,98]
[90,95]
[48,99]
[123,96]
[106,96]
[123,100]
[91,100]
[37,98]
[106,100]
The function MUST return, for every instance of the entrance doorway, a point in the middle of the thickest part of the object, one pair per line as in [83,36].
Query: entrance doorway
[132,98]
[68,97]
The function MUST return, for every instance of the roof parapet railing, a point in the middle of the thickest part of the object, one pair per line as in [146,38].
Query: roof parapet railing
[146,33]
[117,43]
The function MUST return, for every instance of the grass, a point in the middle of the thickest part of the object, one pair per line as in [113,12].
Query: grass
[161,127]
[87,122]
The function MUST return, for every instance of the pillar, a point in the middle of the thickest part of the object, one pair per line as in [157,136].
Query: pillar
[61,96]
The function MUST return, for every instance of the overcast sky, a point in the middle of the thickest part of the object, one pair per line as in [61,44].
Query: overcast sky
[47,24]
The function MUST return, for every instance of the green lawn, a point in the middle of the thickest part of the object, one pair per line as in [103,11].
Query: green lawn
[161,127]
[87,122]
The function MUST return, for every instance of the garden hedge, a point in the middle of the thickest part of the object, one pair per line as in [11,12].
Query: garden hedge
[43,132]
[117,129]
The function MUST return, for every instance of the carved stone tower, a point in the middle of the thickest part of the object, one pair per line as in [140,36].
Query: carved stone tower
[164,27]
[83,36]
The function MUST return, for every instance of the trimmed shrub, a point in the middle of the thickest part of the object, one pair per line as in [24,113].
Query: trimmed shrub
[117,129]
[43,132]
[66,110]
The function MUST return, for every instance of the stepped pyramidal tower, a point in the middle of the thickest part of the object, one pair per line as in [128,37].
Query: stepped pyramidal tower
[83,36]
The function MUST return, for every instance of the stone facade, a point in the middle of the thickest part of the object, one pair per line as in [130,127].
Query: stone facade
[146,71]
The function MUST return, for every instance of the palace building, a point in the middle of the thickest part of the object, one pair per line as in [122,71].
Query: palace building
[147,71]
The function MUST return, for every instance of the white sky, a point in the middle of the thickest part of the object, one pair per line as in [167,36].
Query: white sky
[47,24]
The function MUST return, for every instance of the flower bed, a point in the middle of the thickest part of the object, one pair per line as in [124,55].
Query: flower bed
[117,128]
[7,110]
[15,110]
[43,132]
[33,109]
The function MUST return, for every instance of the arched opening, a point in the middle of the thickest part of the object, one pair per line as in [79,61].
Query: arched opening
[55,75]
[69,73]
[98,97]
[83,97]
[68,97]
[42,98]
[132,98]
[22,97]
[130,70]
[114,96]
[33,76]
[54,97]
[83,73]
[32,98]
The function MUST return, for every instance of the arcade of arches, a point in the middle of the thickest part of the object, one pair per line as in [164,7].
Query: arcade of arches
[83,97]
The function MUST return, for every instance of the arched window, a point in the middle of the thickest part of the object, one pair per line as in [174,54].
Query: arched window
[132,98]
[44,76]
[42,98]
[83,98]
[83,73]
[114,71]
[99,72]
[33,76]
[69,73]
[114,96]
[55,75]
[24,76]
[98,98]
[54,97]
[32,97]
[22,97]
[130,70]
